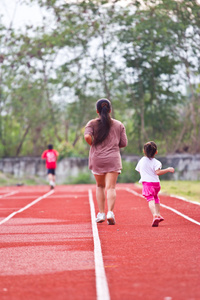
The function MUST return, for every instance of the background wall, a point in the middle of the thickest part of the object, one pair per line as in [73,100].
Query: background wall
[187,166]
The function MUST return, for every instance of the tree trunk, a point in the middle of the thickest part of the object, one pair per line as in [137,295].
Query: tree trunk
[22,141]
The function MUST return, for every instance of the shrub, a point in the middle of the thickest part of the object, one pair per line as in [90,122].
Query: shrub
[129,174]
[83,177]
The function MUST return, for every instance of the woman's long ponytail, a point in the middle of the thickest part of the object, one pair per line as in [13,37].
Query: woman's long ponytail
[104,122]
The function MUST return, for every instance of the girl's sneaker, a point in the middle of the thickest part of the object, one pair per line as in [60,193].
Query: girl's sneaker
[160,218]
[110,218]
[155,222]
[100,217]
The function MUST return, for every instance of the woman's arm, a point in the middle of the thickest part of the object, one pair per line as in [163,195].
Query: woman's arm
[123,138]
[88,139]
[164,171]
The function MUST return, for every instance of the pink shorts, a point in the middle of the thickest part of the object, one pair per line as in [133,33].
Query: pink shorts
[150,191]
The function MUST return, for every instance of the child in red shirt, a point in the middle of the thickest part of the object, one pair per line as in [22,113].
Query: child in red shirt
[51,156]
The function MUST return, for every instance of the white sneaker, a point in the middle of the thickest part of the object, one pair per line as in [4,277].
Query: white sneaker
[110,218]
[100,217]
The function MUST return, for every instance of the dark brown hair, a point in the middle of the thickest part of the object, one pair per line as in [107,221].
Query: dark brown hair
[150,149]
[104,122]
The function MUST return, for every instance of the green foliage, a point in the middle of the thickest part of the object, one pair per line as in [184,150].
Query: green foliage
[129,174]
[82,178]
[142,58]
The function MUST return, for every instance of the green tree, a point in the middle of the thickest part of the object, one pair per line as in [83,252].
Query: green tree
[144,58]
[151,72]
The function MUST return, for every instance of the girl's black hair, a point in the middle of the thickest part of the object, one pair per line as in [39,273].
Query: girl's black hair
[150,149]
[102,129]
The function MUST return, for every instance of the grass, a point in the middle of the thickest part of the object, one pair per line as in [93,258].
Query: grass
[10,180]
[187,189]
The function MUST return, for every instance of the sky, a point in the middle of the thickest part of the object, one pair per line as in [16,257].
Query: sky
[20,14]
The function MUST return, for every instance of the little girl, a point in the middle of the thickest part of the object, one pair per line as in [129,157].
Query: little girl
[149,169]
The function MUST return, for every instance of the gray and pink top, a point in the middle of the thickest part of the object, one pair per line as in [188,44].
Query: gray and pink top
[105,157]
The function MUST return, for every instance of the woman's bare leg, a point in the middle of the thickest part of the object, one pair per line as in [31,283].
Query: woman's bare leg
[100,192]
[111,179]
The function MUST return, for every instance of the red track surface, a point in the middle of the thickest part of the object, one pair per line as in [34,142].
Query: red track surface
[47,250]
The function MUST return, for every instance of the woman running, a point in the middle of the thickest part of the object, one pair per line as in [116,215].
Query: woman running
[105,136]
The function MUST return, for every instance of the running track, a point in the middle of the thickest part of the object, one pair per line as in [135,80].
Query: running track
[51,247]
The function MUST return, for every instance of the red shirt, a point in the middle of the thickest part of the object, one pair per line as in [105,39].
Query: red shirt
[51,157]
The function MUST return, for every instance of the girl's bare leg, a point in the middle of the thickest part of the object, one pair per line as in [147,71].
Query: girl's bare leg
[152,207]
[157,208]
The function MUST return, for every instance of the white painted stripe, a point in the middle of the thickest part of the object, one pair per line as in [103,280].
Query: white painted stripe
[180,214]
[101,281]
[26,207]
[18,197]
[56,196]
[9,194]
[184,199]
[167,207]
[134,193]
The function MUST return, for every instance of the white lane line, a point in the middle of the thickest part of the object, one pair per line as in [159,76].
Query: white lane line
[180,214]
[56,196]
[26,207]
[9,194]
[101,280]
[167,207]
[134,193]
[184,199]
[18,197]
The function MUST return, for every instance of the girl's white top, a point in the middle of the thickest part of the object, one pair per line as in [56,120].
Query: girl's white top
[147,168]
